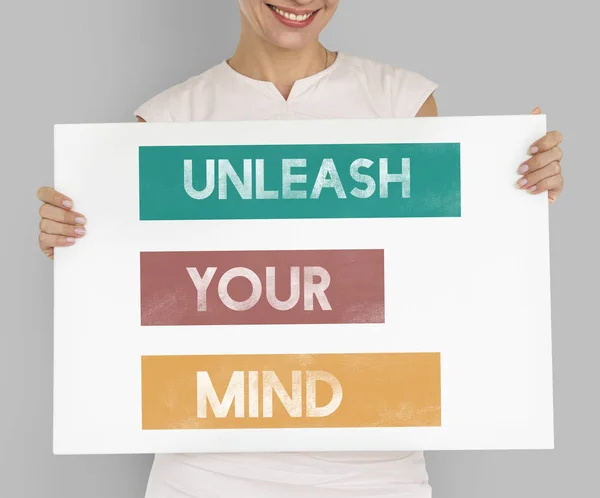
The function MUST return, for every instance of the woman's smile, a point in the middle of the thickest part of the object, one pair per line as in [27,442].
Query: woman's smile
[293,18]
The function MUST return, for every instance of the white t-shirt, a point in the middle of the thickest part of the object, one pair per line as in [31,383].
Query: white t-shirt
[352,87]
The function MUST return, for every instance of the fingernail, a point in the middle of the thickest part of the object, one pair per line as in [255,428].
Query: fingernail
[70,240]
[522,182]
[80,220]
[532,189]
[79,231]
[67,204]
[534,149]
[524,168]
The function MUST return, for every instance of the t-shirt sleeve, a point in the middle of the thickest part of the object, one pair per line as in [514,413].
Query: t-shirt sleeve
[156,109]
[412,90]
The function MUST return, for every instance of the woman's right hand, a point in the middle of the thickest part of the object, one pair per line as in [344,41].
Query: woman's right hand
[60,226]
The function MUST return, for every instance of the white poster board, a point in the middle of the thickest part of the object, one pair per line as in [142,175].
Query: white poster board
[407,304]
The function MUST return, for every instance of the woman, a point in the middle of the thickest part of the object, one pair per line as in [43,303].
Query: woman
[281,71]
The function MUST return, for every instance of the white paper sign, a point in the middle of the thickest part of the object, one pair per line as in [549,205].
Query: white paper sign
[339,285]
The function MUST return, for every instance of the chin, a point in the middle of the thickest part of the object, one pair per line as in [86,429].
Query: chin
[290,41]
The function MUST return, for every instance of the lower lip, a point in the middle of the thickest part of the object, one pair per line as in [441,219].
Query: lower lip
[293,24]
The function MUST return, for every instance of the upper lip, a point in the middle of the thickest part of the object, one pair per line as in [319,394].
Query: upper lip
[292,10]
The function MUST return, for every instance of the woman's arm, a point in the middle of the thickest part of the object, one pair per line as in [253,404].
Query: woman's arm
[428,109]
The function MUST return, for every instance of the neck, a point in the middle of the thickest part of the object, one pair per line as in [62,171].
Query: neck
[259,60]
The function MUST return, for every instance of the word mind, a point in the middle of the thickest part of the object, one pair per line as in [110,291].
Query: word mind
[291,391]
[245,386]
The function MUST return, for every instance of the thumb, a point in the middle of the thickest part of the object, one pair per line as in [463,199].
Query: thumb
[537,110]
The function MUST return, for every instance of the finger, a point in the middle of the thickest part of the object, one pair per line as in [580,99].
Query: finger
[537,110]
[61,215]
[537,176]
[552,183]
[541,160]
[554,192]
[49,252]
[50,196]
[48,241]
[551,139]
[55,228]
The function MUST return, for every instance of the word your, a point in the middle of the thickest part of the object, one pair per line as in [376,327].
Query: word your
[312,288]
[328,177]
[236,395]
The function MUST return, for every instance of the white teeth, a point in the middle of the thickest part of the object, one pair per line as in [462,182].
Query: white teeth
[291,16]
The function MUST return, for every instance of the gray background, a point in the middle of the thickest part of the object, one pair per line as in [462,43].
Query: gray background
[82,61]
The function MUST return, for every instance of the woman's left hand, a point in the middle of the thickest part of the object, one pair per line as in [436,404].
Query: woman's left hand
[542,172]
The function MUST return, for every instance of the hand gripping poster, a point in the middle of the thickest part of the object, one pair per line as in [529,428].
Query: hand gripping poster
[338,285]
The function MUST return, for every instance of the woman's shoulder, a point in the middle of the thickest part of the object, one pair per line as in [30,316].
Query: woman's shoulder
[377,69]
[174,103]
[405,89]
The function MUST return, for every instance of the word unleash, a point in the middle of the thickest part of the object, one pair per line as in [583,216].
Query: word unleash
[220,174]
